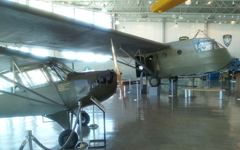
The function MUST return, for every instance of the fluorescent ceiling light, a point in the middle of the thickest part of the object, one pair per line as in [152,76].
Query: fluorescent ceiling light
[101,58]
[40,52]
[69,55]
[86,57]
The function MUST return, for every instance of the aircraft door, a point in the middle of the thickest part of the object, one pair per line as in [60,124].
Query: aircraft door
[151,62]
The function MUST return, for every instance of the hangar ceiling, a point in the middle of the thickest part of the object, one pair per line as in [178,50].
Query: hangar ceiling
[216,11]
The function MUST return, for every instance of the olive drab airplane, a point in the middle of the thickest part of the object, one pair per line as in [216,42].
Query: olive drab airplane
[34,85]
[31,27]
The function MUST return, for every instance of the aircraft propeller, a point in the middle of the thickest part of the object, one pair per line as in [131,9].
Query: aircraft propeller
[118,73]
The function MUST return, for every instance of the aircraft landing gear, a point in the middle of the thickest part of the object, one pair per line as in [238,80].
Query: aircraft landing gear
[174,78]
[85,118]
[154,81]
[63,137]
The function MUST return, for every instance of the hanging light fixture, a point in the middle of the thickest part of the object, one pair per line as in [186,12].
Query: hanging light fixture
[188,2]
[210,2]
[180,16]
[233,22]
[104,8]
[176,25]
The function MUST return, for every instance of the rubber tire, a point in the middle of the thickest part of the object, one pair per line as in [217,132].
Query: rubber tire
[85,119]
[175,78]
[154,81]
[64,136]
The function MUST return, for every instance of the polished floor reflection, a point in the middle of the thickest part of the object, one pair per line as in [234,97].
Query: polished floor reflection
[161,122]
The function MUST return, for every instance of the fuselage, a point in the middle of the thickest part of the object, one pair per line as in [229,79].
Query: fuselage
[75,87]
[189,57]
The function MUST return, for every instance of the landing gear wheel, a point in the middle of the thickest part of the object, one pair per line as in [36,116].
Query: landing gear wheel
[85,119]
[154,81]
[175,79]
[63,137]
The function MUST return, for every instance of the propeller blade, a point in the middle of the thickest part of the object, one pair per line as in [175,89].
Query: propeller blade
[118,74]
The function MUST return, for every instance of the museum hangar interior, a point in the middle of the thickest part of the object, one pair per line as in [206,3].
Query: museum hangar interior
[191,112]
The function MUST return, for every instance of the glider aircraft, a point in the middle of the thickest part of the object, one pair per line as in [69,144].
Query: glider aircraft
[31,27]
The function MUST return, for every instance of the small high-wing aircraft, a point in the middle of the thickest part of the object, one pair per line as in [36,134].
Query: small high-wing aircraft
[31,85]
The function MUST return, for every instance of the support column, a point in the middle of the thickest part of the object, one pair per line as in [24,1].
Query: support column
[205,29]
[93,17]
[220,94]
[52,7]
[163,29]
[74,13]
[113,21]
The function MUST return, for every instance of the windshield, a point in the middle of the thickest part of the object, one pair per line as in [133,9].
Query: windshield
[34,76]
[206,44]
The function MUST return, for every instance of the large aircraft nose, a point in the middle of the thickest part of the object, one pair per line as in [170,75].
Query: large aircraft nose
[215,60]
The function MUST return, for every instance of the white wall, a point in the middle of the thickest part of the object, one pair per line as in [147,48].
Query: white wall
[173,33]
[216,31]
[154,30]
[148,30]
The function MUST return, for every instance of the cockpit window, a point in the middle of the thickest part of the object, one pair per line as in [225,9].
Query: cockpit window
[206,44]
[36,77]
[62,70]
[55,77]
[5,85]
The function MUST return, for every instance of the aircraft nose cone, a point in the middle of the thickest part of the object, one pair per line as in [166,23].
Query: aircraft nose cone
[107,85]
[215,60]
[105,77]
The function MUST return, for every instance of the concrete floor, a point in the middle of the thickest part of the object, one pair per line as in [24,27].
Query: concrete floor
[196,123]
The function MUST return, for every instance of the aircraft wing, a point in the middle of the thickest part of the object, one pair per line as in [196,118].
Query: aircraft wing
[23,59]
[21,24]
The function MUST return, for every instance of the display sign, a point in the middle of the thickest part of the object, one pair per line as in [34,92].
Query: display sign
[227,39]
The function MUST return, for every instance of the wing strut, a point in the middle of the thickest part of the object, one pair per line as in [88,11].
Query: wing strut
[21,73]
[31,99]
[58,73]
[137,61]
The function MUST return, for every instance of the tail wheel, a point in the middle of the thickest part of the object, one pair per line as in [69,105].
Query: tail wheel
[154,81]
[63,137]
